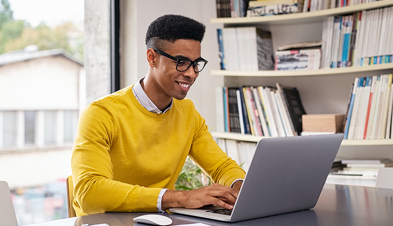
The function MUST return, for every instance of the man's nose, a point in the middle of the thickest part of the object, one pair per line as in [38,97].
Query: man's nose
[190,72]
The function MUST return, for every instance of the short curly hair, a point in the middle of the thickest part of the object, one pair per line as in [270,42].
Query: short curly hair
[171,28]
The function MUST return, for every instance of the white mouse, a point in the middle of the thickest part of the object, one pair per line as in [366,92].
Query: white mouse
[153,219]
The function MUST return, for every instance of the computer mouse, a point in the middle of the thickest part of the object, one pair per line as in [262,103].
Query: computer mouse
[153,219]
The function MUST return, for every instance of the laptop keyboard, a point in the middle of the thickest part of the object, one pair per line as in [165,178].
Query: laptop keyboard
[221,211]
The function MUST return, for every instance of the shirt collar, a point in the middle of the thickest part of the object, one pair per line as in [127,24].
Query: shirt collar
[145,101]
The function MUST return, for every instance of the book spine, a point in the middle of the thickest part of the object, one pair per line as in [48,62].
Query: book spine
[351,109]
[247,129]
[240,110]
[374,80]
[221,53]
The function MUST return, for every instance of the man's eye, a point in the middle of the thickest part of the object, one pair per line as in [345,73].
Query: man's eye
[182,62]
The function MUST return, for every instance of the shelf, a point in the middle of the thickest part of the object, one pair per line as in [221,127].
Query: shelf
[251,138]
[302,17]
[347,70]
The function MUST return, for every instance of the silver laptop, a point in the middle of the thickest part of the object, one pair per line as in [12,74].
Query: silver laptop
[286,174]
[7,212]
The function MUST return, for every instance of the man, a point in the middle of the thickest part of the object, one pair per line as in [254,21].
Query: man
[131,145]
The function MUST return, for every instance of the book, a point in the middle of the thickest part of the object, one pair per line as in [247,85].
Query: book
[350,110]
[247,129]
[295,107]
[351,132]
[300,45]
[246,49]
[233,111]
[366,161]
[268,106]
[385,110]
[389,115]
[240,110]
[221,54]
[261,112]
[269,10]
[300,59]
[276,114]
[372,90]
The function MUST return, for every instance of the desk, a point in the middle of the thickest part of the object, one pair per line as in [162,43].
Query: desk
[338,205]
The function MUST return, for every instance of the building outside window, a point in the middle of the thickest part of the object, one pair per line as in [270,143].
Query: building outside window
[42,91]
[30,127]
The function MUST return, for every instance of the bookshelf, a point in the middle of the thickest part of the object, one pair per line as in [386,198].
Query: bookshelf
[348,70]
[302,17]
[251,138]
[321,91]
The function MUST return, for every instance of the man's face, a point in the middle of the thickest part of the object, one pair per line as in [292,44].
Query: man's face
[169,81]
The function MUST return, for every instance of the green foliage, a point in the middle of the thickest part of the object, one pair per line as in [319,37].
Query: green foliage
[6,14]
[190,177]
[9,31]
[17,34]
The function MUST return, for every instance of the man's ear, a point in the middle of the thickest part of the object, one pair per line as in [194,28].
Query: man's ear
[151,57]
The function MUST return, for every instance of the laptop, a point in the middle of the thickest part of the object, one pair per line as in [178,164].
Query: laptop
[7,212]
[286,174]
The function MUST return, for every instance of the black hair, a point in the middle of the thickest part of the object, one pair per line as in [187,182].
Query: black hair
[171,28]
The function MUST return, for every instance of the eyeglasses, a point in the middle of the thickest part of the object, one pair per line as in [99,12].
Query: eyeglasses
[183,64]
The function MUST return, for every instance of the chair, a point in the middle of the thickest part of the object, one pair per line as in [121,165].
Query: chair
[7,212]
[70,197]
[385,178]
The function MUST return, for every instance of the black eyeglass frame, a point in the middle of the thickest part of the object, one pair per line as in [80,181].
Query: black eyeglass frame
[193,63]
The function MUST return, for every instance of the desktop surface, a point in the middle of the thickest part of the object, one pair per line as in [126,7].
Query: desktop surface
[338,205]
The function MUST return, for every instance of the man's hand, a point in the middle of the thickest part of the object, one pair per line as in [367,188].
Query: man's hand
[237,185]
[216,194]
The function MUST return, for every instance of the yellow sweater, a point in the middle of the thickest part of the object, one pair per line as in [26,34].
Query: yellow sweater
[123,154]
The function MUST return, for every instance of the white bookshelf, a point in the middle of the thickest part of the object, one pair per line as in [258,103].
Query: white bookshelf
[302,17]
[322,91]
[251,138]
[348,70]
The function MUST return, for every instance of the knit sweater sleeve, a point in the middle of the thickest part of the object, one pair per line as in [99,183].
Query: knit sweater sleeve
[209,156]
[95,191]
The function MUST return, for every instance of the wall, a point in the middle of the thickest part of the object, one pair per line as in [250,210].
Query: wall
[136,17]
[97,49]
[43,83]
[21,168]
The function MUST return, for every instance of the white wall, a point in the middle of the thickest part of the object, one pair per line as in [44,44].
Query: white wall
[43,83]
[140,14]
[21,169]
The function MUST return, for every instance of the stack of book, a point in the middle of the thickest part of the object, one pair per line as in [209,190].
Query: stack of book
[358,39]
[231,8]
[298,56]
[315,5]
[274,7]
[363,167]
[369,114]
[262,111]
[245,49]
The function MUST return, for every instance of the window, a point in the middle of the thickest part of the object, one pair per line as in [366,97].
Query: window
[50,122]
[30,127]
[70,124]
[9,128]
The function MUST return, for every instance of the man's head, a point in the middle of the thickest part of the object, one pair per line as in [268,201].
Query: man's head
[174,56]
[169,28]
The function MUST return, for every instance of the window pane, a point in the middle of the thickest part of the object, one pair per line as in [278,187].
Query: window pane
[9,128]
[68,126]
[50,127]
[30,119]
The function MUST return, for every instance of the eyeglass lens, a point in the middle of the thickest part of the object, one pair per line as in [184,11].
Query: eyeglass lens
[183,65]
